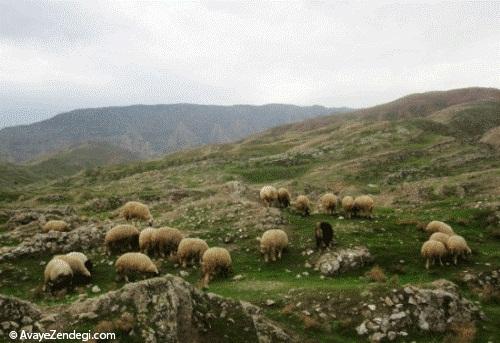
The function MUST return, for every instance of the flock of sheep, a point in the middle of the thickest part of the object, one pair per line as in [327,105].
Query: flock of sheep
[137,246]
[443,242]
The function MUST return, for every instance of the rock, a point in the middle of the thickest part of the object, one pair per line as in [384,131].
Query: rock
[342,260]
[238,277]
[270,302]
[96,289]
[87,315]
[391,335]
[184,273]
[361,329]
[372,307]
[396,316]
[377,337]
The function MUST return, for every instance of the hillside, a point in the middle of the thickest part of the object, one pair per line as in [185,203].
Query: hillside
[148,130]
[438,160]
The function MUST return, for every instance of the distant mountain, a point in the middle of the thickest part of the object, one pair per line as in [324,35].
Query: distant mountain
[147,131]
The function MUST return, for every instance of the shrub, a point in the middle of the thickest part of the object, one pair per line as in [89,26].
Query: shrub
[376,274]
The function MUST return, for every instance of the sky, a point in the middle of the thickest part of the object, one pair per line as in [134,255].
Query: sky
[59,56]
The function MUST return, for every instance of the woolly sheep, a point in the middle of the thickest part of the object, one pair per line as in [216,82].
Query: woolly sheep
[323,234]
[191,250]
[272,244]
[348,205]
[268,194]
[440,237]
[86,261]
[122,238]
[146,240]
[215,261]
[167,240]
[135,263]
[138,211]
[55,225]
[458,247]
[363,206]
[283,197]
[57,274]
[76,265]
[437,226]
[431,250]
[329,202]
[303,205]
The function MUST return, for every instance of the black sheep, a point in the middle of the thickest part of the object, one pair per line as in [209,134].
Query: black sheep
[324,235]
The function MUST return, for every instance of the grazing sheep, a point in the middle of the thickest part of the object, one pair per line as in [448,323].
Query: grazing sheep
[303,205]
[215,261]
[83,258]
[272,244]
[55,225]
[268,194]
[146,240]
[122,238]
[283,197]
[138,211]
[323,234]
[167,240]
[329,202]
[77,266]
[440,237]
[191,250]
[363,206]
[57,274]
[458,247]
[132,263]
[348,205]
[437,226]
[431,250]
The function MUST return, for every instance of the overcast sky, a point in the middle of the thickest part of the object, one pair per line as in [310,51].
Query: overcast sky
[58,56]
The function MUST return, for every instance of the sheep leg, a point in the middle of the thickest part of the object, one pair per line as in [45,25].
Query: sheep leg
[279,254]
[440,261]
[266,257]
[455,259]
[427,264]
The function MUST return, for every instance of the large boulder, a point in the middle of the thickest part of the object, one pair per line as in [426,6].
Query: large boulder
[342,260]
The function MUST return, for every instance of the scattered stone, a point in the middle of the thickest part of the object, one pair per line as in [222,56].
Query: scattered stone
[342,260]
[96,289]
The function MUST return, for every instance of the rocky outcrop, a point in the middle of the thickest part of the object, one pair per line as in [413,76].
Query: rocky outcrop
[163,309]
[16,314]
[342,260]
[429,309]
[54,242]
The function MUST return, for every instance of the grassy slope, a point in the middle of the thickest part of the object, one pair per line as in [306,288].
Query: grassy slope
[445,178]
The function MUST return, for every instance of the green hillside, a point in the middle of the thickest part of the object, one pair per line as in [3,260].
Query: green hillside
[421,158]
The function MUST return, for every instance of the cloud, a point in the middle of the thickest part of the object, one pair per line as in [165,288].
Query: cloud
[65,55]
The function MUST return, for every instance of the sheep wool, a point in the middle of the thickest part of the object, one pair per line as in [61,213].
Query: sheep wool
[85,260]
[215,261]
[135,263]
[284,197]
[303,205]
[272,244]
[57,273]
[55,225]
[76,265]
[191,251]
[329,202]
[363,205]
[122,238]
[167,240]
[457,245]
[134,210]
[146,240]
[268,195]
[437,226]
[348,205]
[432,250]
[440,237]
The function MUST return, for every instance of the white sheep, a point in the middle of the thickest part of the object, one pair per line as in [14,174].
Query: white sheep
[272,244]
[55,225]
[268,195]
[215,261]
[134,210]
[438,226]
[167,240]
[303,205]
[284,197]
[457,245]
[122,238]
[191,251]
[147,242]
[133,263]
[329,202]
[86,261]
[431,250]
[363,206]
[440,237]
[348,205]
[57,274]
